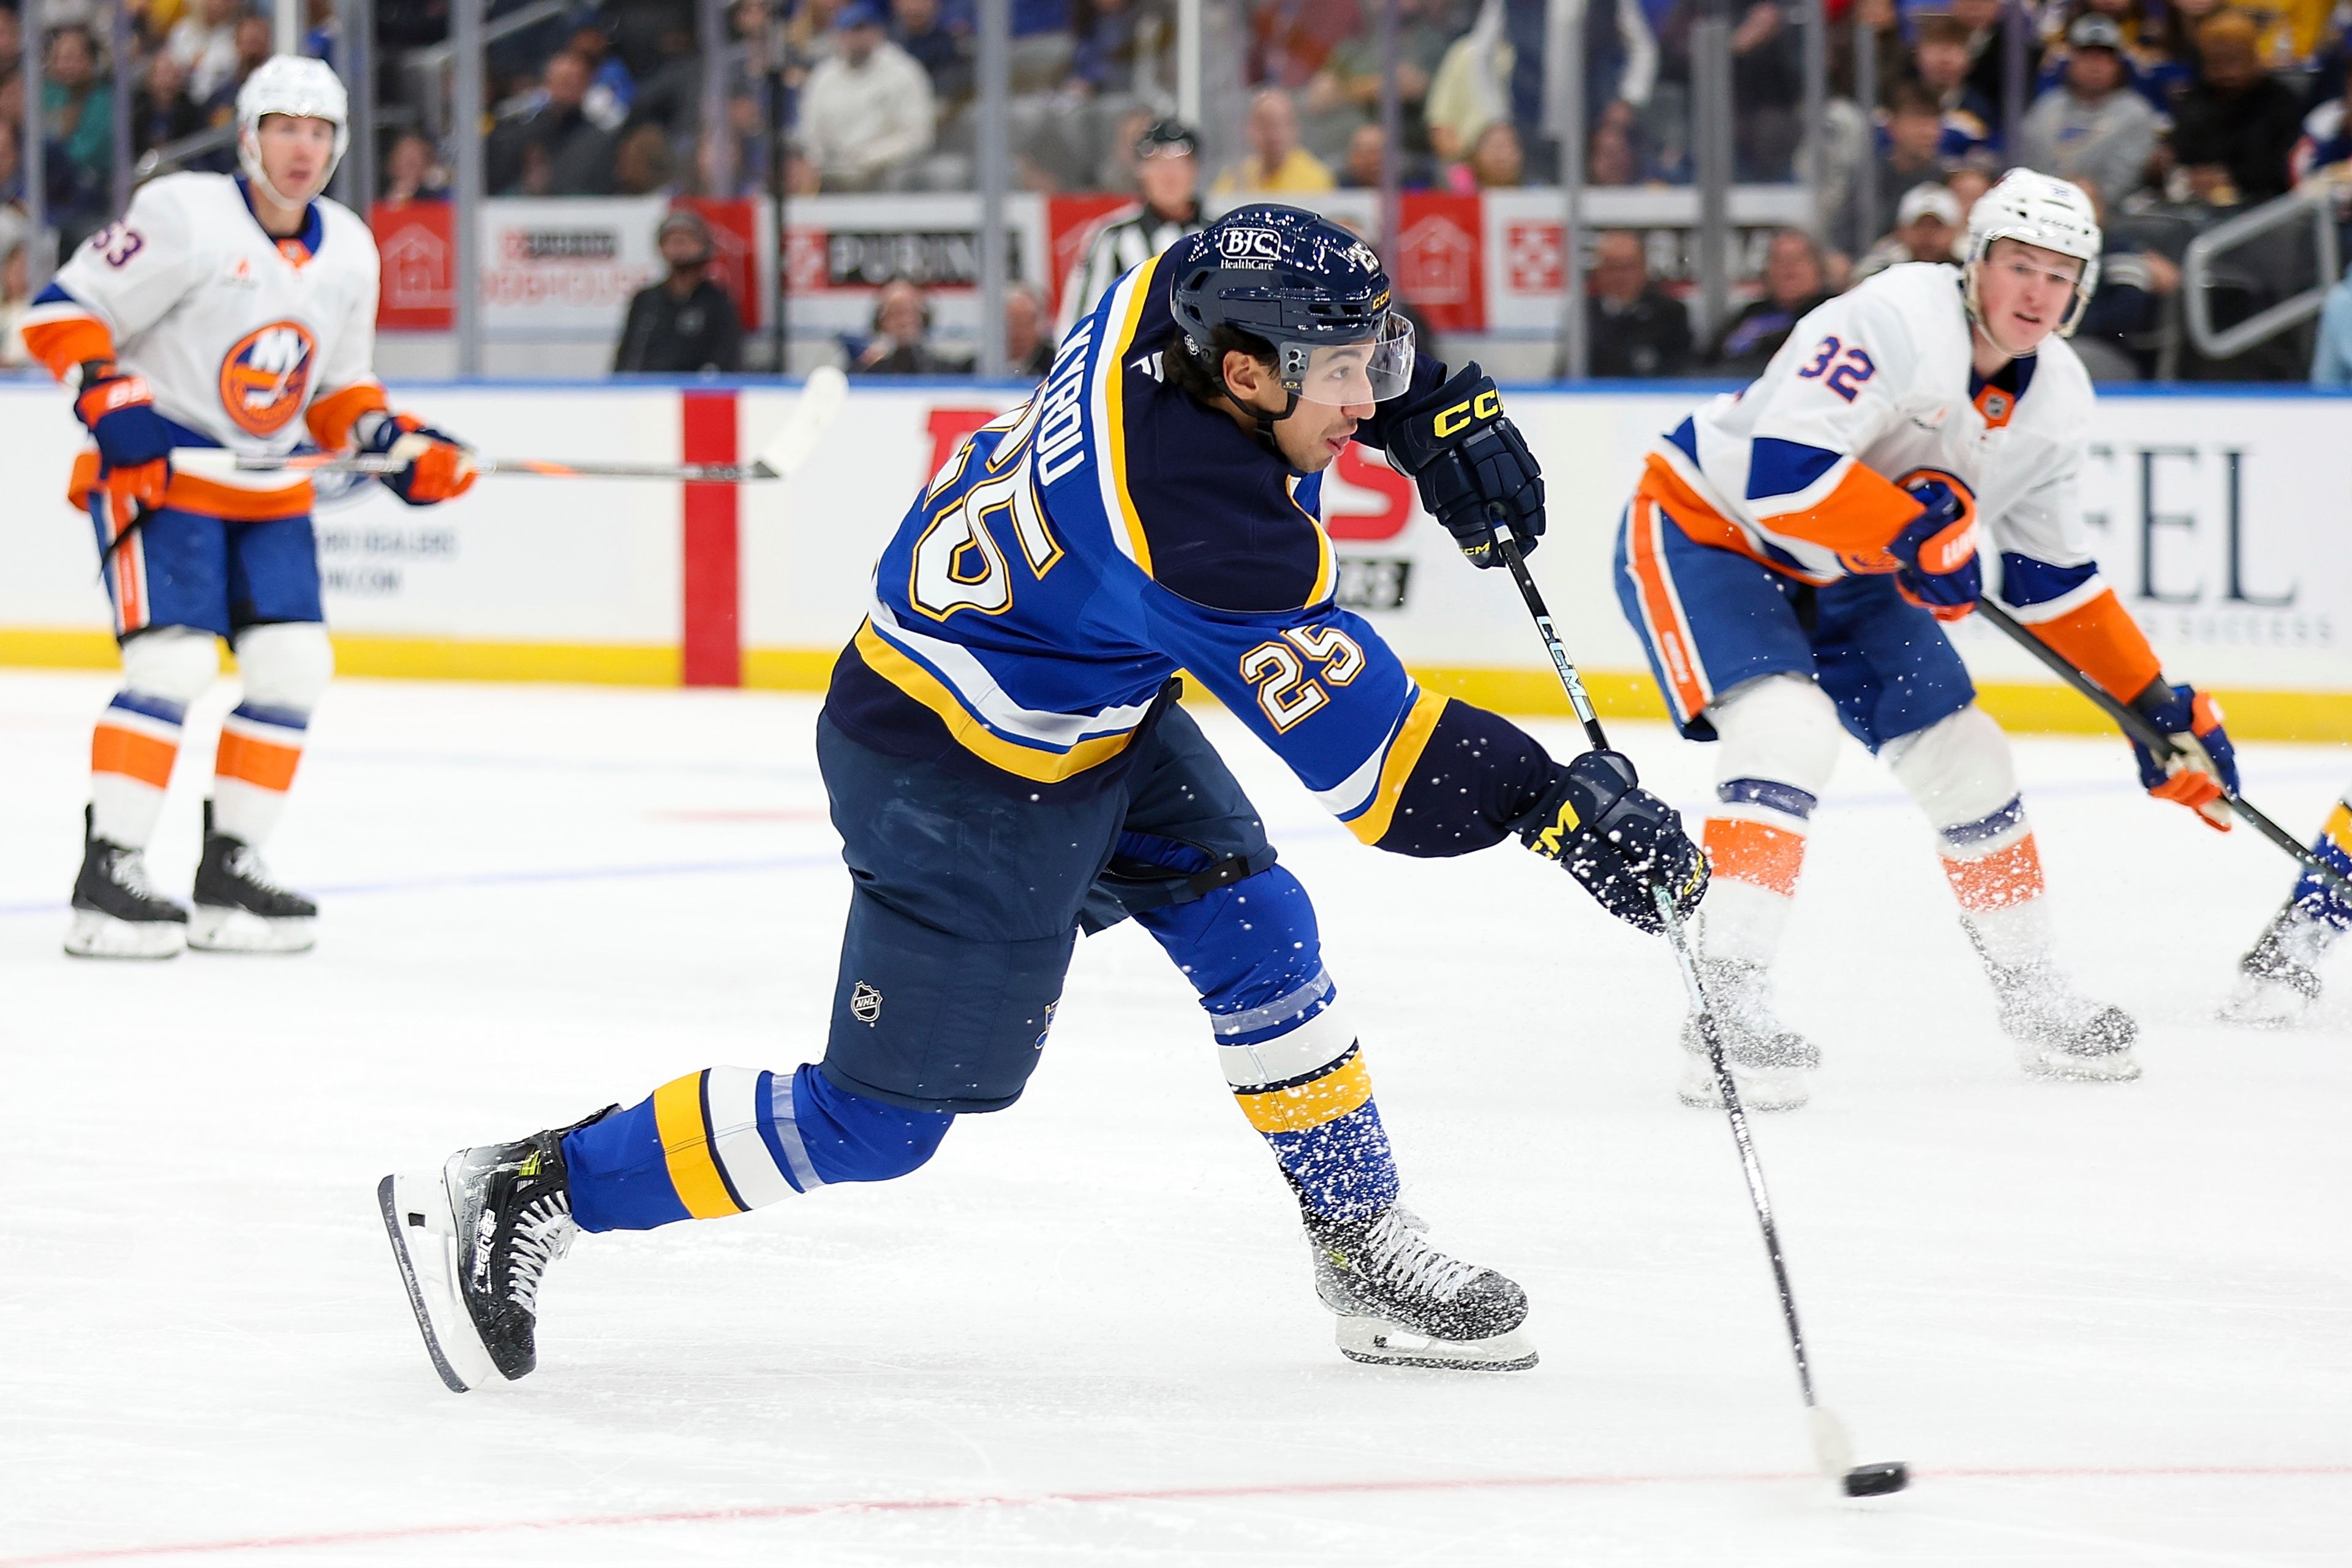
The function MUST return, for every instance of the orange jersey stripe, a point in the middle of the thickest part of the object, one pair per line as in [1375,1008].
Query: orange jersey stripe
[1997,880]
[133,755]
[2104,643]
[1866,511]
[205,497]
[65,342]
[256,761]
[1701,523]
[1751,852]
[330,417]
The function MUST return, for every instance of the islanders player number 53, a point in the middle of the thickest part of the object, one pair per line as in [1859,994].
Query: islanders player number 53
[235,311]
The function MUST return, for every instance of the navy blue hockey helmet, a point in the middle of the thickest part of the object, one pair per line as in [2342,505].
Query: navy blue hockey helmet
[1302,283]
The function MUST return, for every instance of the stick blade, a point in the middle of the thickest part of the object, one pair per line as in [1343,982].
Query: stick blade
[820,403]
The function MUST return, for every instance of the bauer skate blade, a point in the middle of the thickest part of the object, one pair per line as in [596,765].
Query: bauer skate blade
[1376,1342]
[97,935]
[422,1224]
[219,928]
[1779,1090]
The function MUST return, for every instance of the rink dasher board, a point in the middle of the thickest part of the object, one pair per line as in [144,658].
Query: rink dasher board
[2218,519]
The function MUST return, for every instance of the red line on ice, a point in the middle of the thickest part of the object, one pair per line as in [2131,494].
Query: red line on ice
[1157,1494]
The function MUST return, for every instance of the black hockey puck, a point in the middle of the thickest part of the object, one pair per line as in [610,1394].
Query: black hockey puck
[1876,1480]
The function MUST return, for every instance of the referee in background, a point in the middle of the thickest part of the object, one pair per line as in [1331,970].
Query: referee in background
[1167,177]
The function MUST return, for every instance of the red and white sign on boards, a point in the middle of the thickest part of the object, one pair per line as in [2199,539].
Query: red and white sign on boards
[1531,253]
[1438,259]
[417,243]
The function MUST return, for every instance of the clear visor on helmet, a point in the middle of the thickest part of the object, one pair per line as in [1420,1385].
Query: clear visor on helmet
[1351,374]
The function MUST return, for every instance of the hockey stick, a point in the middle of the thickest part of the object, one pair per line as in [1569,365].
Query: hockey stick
[1832,1449]
[2135,724]
[813,413]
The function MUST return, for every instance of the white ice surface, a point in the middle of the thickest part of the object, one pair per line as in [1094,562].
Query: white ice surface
[2105,1324]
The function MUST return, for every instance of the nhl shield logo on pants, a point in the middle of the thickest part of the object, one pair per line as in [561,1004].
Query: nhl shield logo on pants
[865,1002]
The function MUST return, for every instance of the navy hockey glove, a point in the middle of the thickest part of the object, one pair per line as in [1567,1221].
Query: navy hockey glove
[1474,467]
[134,442]
[2206,766]
[437,469]
[1940,571]
[1616,838]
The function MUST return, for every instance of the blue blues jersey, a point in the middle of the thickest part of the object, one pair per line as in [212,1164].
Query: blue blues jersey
[1074,555]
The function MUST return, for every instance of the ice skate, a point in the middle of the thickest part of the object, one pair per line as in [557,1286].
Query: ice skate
[472,1241]
[240,909]
[2278,978]
[1401,1302]
[117,913]
[1768,1061]
[2060,1032]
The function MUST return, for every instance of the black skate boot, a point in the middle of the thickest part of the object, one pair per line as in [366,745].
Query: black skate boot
[472,1242]
[1401,1302]
[240,909]
[117,913]
[2278,979]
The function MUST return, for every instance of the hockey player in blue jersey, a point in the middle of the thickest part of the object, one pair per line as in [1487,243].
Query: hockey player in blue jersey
[1008,767]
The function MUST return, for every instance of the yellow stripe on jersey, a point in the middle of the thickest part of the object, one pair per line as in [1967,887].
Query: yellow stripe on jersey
[1404,755]
[1303,1107]
[686,1148]
[1113,364]
[1326,566]
[1027,761]
[2339,829]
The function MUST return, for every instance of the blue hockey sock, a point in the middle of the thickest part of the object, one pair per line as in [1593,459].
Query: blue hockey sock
[727,1140]
[1253,952]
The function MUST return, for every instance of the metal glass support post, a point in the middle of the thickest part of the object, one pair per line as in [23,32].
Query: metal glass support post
[1711,92]
[118,49]
[710,37]
[2013,24]
[995,71]
[1188,63]
[355,181]
[465,136]
[1817,92]
[40,249]
[779,152]
[285,27]
[1865,97]
[1575,312]
[1391,130]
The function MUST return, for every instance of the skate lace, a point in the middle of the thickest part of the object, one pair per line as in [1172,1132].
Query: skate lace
[544,1232]
[247,866]
[1397,1250]
[129,872]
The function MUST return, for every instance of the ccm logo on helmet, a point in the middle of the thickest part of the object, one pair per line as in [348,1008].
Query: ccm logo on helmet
[1250,244]
[266,378]
[1488,404]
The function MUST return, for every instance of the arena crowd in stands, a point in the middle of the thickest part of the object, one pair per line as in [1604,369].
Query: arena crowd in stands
[2172,113]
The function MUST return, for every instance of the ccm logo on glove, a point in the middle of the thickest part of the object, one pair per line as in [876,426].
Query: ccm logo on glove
[1488,404]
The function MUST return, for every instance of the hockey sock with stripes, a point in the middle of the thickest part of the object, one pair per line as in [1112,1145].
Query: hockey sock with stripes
[1253,952]
[725,1141]
[132,751]
[1756,846]
[259,749]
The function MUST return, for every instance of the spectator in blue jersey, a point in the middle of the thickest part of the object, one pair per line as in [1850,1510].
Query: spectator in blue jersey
[2095,128]
[945,54]
[2331,360]
[1795,280]
[1941,60]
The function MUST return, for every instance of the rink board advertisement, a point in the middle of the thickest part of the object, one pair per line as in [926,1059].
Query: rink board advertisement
[2219,520]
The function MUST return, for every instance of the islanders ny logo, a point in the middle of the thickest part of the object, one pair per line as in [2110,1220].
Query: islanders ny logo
[266,377]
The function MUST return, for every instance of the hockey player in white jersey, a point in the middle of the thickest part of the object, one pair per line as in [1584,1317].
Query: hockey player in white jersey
[1788,555]
[235,311]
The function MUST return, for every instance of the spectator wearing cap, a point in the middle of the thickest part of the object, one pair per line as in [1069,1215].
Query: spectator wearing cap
[1795,280]
[1927,227]
[1276,164]
[2094,128]
[1634,328]
[2235,129]
[686,324]
[1942,60]
[1168,184]
[867,109]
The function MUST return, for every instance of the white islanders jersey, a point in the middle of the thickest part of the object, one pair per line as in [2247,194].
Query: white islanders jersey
[236,333]
[1802,469]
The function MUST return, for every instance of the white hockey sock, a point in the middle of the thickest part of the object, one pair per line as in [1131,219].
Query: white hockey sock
[258,750]
[1958,769]
[130,755]
[1776,747]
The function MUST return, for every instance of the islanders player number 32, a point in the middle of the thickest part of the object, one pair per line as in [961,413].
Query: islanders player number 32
[236,311]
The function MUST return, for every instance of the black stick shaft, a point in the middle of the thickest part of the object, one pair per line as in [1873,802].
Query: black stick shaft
[2135,723]
[1687,961]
